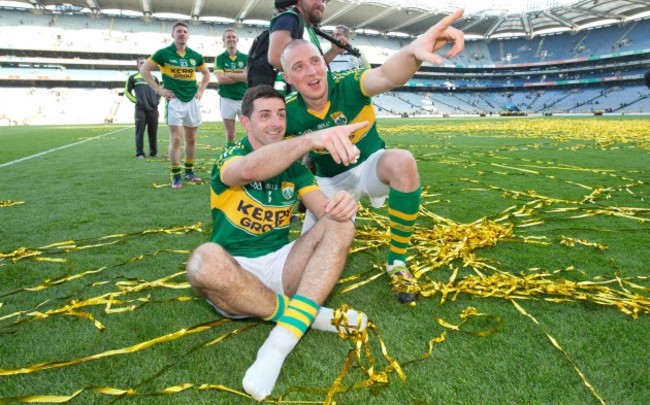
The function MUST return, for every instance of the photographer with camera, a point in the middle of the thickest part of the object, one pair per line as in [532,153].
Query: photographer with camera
[347,60]
[286,27]
[292,19]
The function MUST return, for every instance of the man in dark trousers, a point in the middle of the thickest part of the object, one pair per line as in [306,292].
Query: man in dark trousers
[146,111]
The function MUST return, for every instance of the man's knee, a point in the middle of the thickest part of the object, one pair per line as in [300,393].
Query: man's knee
[190,136]
[405,161]
[400,167]
[342,231]
[175,134]
[204,264]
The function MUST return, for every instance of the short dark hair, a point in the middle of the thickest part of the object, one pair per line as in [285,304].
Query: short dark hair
[177,24]
[253,93]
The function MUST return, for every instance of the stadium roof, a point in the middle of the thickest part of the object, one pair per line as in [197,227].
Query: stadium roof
[406,17]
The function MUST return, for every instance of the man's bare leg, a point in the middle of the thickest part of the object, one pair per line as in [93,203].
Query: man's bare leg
[312,269]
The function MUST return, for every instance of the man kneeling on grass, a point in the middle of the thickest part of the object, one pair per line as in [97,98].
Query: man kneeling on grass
[250,269]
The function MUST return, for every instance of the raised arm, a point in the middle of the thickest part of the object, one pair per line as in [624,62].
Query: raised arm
[269,160]
[402,65]
[334,51]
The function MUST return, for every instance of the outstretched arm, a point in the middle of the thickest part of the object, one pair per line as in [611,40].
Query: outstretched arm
[269,160]
[401,66]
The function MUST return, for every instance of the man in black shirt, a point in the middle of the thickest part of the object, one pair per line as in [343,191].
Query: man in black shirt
[146,111]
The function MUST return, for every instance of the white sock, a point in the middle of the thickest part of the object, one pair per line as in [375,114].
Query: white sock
[323,320]
[260,378]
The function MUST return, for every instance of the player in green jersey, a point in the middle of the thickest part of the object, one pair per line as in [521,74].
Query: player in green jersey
[325,100]
[229,68]
[250,269]
[178,64]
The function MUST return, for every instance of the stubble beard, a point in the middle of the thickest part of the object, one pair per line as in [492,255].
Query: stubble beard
[315,17]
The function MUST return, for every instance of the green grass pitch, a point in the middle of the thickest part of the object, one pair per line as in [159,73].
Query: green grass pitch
[540,224]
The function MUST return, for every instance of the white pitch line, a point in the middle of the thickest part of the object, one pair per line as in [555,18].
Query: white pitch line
[59,148]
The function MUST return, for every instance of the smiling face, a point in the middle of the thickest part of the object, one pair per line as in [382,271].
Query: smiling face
[305,69]
[267,121]
[230,40]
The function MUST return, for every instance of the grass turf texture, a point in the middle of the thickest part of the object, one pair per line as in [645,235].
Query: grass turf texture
[471,169]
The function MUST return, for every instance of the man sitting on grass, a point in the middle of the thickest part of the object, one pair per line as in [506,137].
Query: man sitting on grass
[249,268]
[326,100]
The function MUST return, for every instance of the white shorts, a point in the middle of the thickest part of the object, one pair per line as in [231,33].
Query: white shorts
[183,114]
[361,181]
[268,269]
[230,109]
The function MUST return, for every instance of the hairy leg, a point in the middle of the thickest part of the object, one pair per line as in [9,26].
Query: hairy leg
[175,140]
[311,271]
[229,126]
[216,276]
[190,143]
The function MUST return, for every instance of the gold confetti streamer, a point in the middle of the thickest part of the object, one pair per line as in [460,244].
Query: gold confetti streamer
[566,355]
[9,203]
[49,283]
[70,246]
[571,242]
[446,244]
[107,300]
[131,349]
[543,286]
[130,392]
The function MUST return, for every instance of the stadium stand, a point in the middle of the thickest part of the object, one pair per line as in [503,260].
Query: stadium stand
[50,61]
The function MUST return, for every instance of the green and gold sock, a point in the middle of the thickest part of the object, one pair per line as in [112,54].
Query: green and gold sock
[281,305]
[402,213]
[323,319]
[299,316]
[176,170]
[189,166]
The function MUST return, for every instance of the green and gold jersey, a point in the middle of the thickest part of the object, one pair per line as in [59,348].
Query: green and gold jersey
[347,104]
[178,71]
[253,220]
[232,64]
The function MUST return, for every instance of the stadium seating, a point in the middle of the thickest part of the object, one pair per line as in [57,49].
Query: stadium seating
[97,54]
